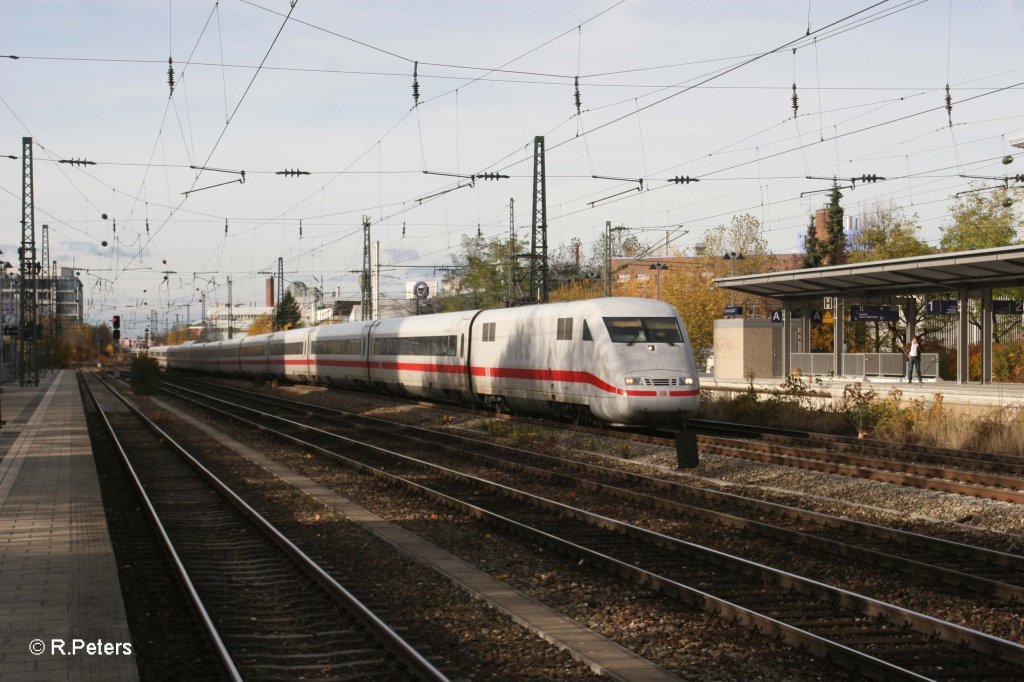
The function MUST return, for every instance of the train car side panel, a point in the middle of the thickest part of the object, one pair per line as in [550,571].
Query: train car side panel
[337,354]
[421,356]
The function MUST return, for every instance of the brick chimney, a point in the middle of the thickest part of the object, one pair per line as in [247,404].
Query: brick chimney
[270,292]
[819,223]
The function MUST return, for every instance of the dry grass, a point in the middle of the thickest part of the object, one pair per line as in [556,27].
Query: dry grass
[888,417]
[999,430]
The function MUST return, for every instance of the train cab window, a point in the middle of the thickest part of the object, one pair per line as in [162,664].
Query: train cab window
[489,331]
[662,330]
[564,332]
[631,330]
[586,332]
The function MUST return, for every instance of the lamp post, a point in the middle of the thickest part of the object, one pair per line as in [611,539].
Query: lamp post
[732,257]
[608,229]
[658,267]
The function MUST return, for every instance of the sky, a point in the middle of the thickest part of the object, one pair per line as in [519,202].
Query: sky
[667,89]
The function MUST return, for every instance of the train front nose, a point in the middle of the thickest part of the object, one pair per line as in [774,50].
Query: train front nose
[658,396]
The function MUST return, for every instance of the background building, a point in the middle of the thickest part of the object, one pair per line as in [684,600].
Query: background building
[59,302]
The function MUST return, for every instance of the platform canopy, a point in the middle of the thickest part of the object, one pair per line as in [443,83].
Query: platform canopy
[974,271]
[965,275]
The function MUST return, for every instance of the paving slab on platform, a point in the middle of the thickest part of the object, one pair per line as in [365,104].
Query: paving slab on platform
[61,612]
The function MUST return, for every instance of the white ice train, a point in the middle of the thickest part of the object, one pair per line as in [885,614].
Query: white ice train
[615,360]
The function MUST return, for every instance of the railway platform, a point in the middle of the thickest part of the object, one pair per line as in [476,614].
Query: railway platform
[965,397]
[61,612]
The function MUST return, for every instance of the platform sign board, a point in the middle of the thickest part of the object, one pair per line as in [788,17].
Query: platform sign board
[1008,307]
[942,307]
[10,330]
[816,316]
[775,316]
[733,310]
[873,313]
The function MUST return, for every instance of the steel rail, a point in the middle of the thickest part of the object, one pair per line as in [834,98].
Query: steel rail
[219,650]
[391,640]
[959,458]
[1001,489]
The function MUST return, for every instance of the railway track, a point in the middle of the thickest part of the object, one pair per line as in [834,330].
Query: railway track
[874,463]
[973,474]
[266,609]
[864,634]
[978,569]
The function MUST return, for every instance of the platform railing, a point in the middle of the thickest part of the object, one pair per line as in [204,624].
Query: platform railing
[876,365]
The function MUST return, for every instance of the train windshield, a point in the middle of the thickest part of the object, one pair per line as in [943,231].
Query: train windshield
[643,329]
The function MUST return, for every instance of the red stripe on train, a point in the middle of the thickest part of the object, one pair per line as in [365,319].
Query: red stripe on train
[564,376]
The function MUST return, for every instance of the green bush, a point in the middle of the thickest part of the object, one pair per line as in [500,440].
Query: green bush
[145,375]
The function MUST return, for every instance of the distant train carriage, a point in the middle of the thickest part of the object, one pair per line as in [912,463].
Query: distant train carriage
[227,356]
[287,355]
[337,354]
[208,357]
[423,356]
[252,355]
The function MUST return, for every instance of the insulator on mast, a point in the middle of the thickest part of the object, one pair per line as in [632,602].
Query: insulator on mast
[949,106]
[170,74]
[415,84]
[795,100]
[577,95]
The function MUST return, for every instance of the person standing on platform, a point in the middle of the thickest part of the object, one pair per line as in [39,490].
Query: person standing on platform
[913,354]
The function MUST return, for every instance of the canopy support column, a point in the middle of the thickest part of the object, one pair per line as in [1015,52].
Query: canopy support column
[838,335]
[787,343]
[963,347]
[986,336]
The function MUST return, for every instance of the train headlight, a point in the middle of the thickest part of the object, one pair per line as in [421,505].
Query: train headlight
[688,381]
[630,381]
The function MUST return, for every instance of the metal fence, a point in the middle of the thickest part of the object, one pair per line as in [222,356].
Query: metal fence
[863,364]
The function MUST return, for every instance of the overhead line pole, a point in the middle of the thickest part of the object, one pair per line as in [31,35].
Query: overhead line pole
[539,231]
[28,367]
[280,289]
[231,311]
[365,284]
[511,250]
